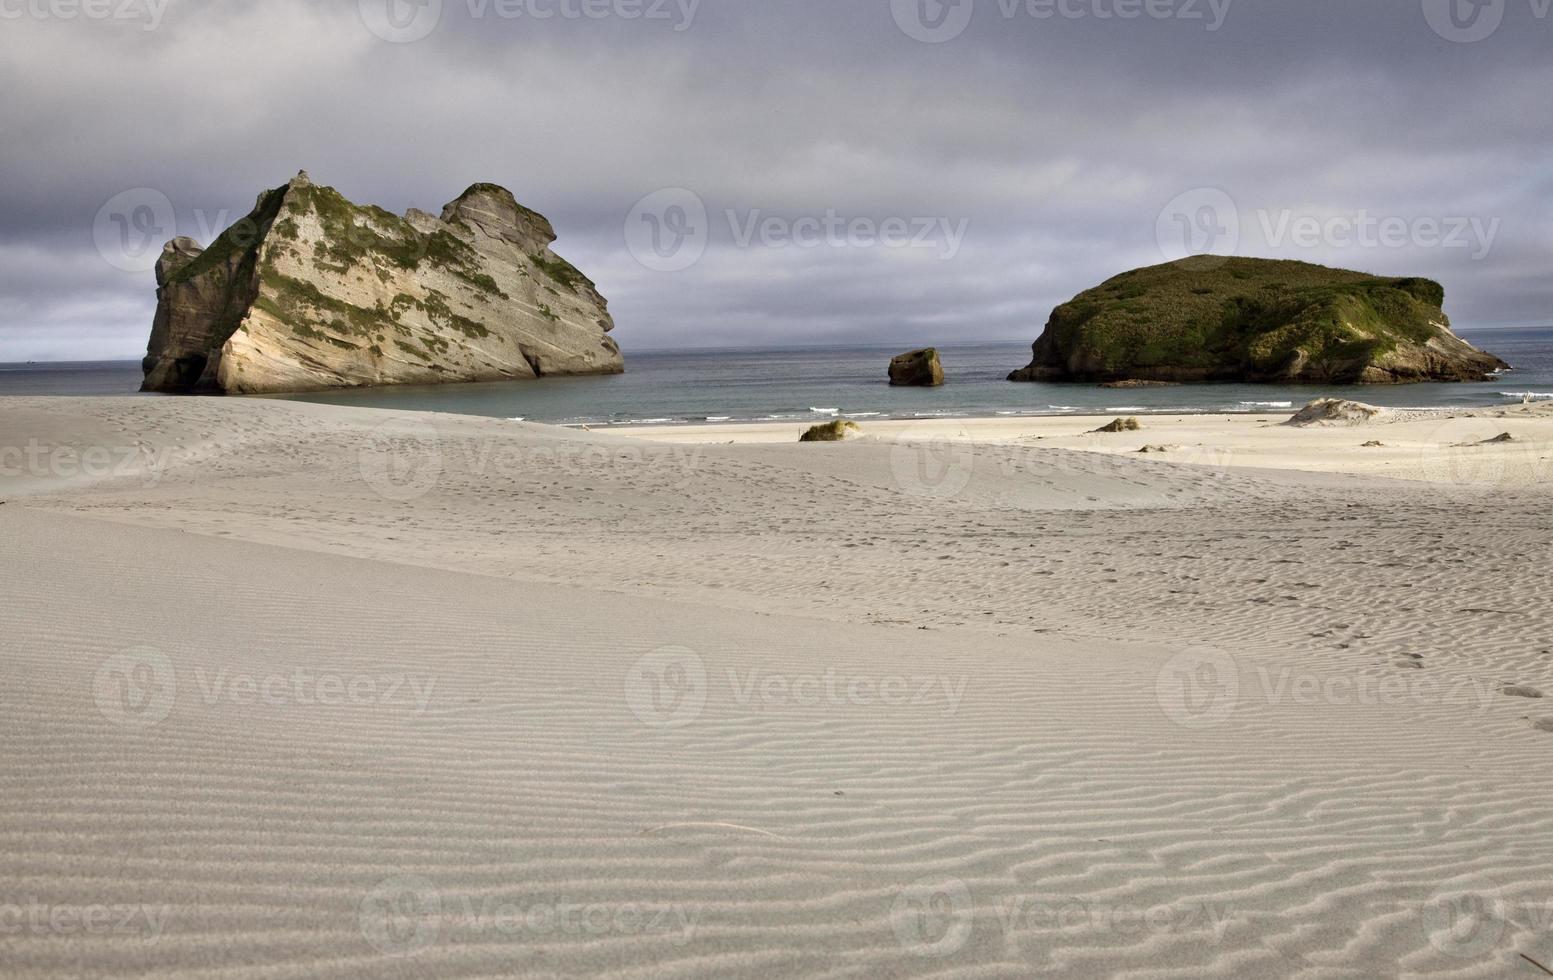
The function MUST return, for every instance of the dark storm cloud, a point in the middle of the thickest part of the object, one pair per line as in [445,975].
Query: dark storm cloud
[1044,146]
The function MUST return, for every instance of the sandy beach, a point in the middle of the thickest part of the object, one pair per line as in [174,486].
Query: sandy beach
[300,691]
[1435,446]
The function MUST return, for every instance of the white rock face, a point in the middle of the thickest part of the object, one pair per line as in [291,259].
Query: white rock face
[310,291]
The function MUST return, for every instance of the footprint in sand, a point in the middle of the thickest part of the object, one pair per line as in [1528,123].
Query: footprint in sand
[1520,691]
[1543,724]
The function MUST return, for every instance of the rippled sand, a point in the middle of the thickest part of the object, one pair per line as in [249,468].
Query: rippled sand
[298,691]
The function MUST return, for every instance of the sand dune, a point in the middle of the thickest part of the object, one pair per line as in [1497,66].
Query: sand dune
[300,691]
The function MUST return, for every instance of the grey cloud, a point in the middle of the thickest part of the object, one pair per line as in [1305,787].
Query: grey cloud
[1058,140]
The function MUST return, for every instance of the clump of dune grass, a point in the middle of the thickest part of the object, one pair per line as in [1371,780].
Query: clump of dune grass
[831,431]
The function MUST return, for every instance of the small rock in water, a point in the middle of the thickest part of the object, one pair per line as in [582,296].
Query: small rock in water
[917,368]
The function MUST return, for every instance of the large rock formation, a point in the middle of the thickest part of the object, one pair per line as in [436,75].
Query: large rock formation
[917,369]
[1256,320]
[310,291]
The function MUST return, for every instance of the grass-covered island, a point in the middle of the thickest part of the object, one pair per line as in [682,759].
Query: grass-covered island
[1261,320]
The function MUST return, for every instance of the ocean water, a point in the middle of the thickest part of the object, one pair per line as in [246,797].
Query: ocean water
[802,384]
[70,378]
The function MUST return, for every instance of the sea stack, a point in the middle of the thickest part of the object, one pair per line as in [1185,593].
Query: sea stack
[311,291]
[917,369]
[1256,320]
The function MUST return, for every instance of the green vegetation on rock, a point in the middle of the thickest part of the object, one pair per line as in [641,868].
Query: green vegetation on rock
[239,242]
[1209,319]
[294,302]
[831,431]
[1121,425]
[560,270]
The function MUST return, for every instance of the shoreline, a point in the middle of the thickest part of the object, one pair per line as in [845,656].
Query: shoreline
[821,416]
[1433,446]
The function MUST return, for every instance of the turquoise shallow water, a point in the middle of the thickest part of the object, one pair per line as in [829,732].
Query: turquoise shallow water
[666,387]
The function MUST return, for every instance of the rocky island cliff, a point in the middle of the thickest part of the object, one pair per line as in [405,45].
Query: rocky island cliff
[1256,320]
[310,291]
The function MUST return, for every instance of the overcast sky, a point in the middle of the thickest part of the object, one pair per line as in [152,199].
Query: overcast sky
[751,172]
